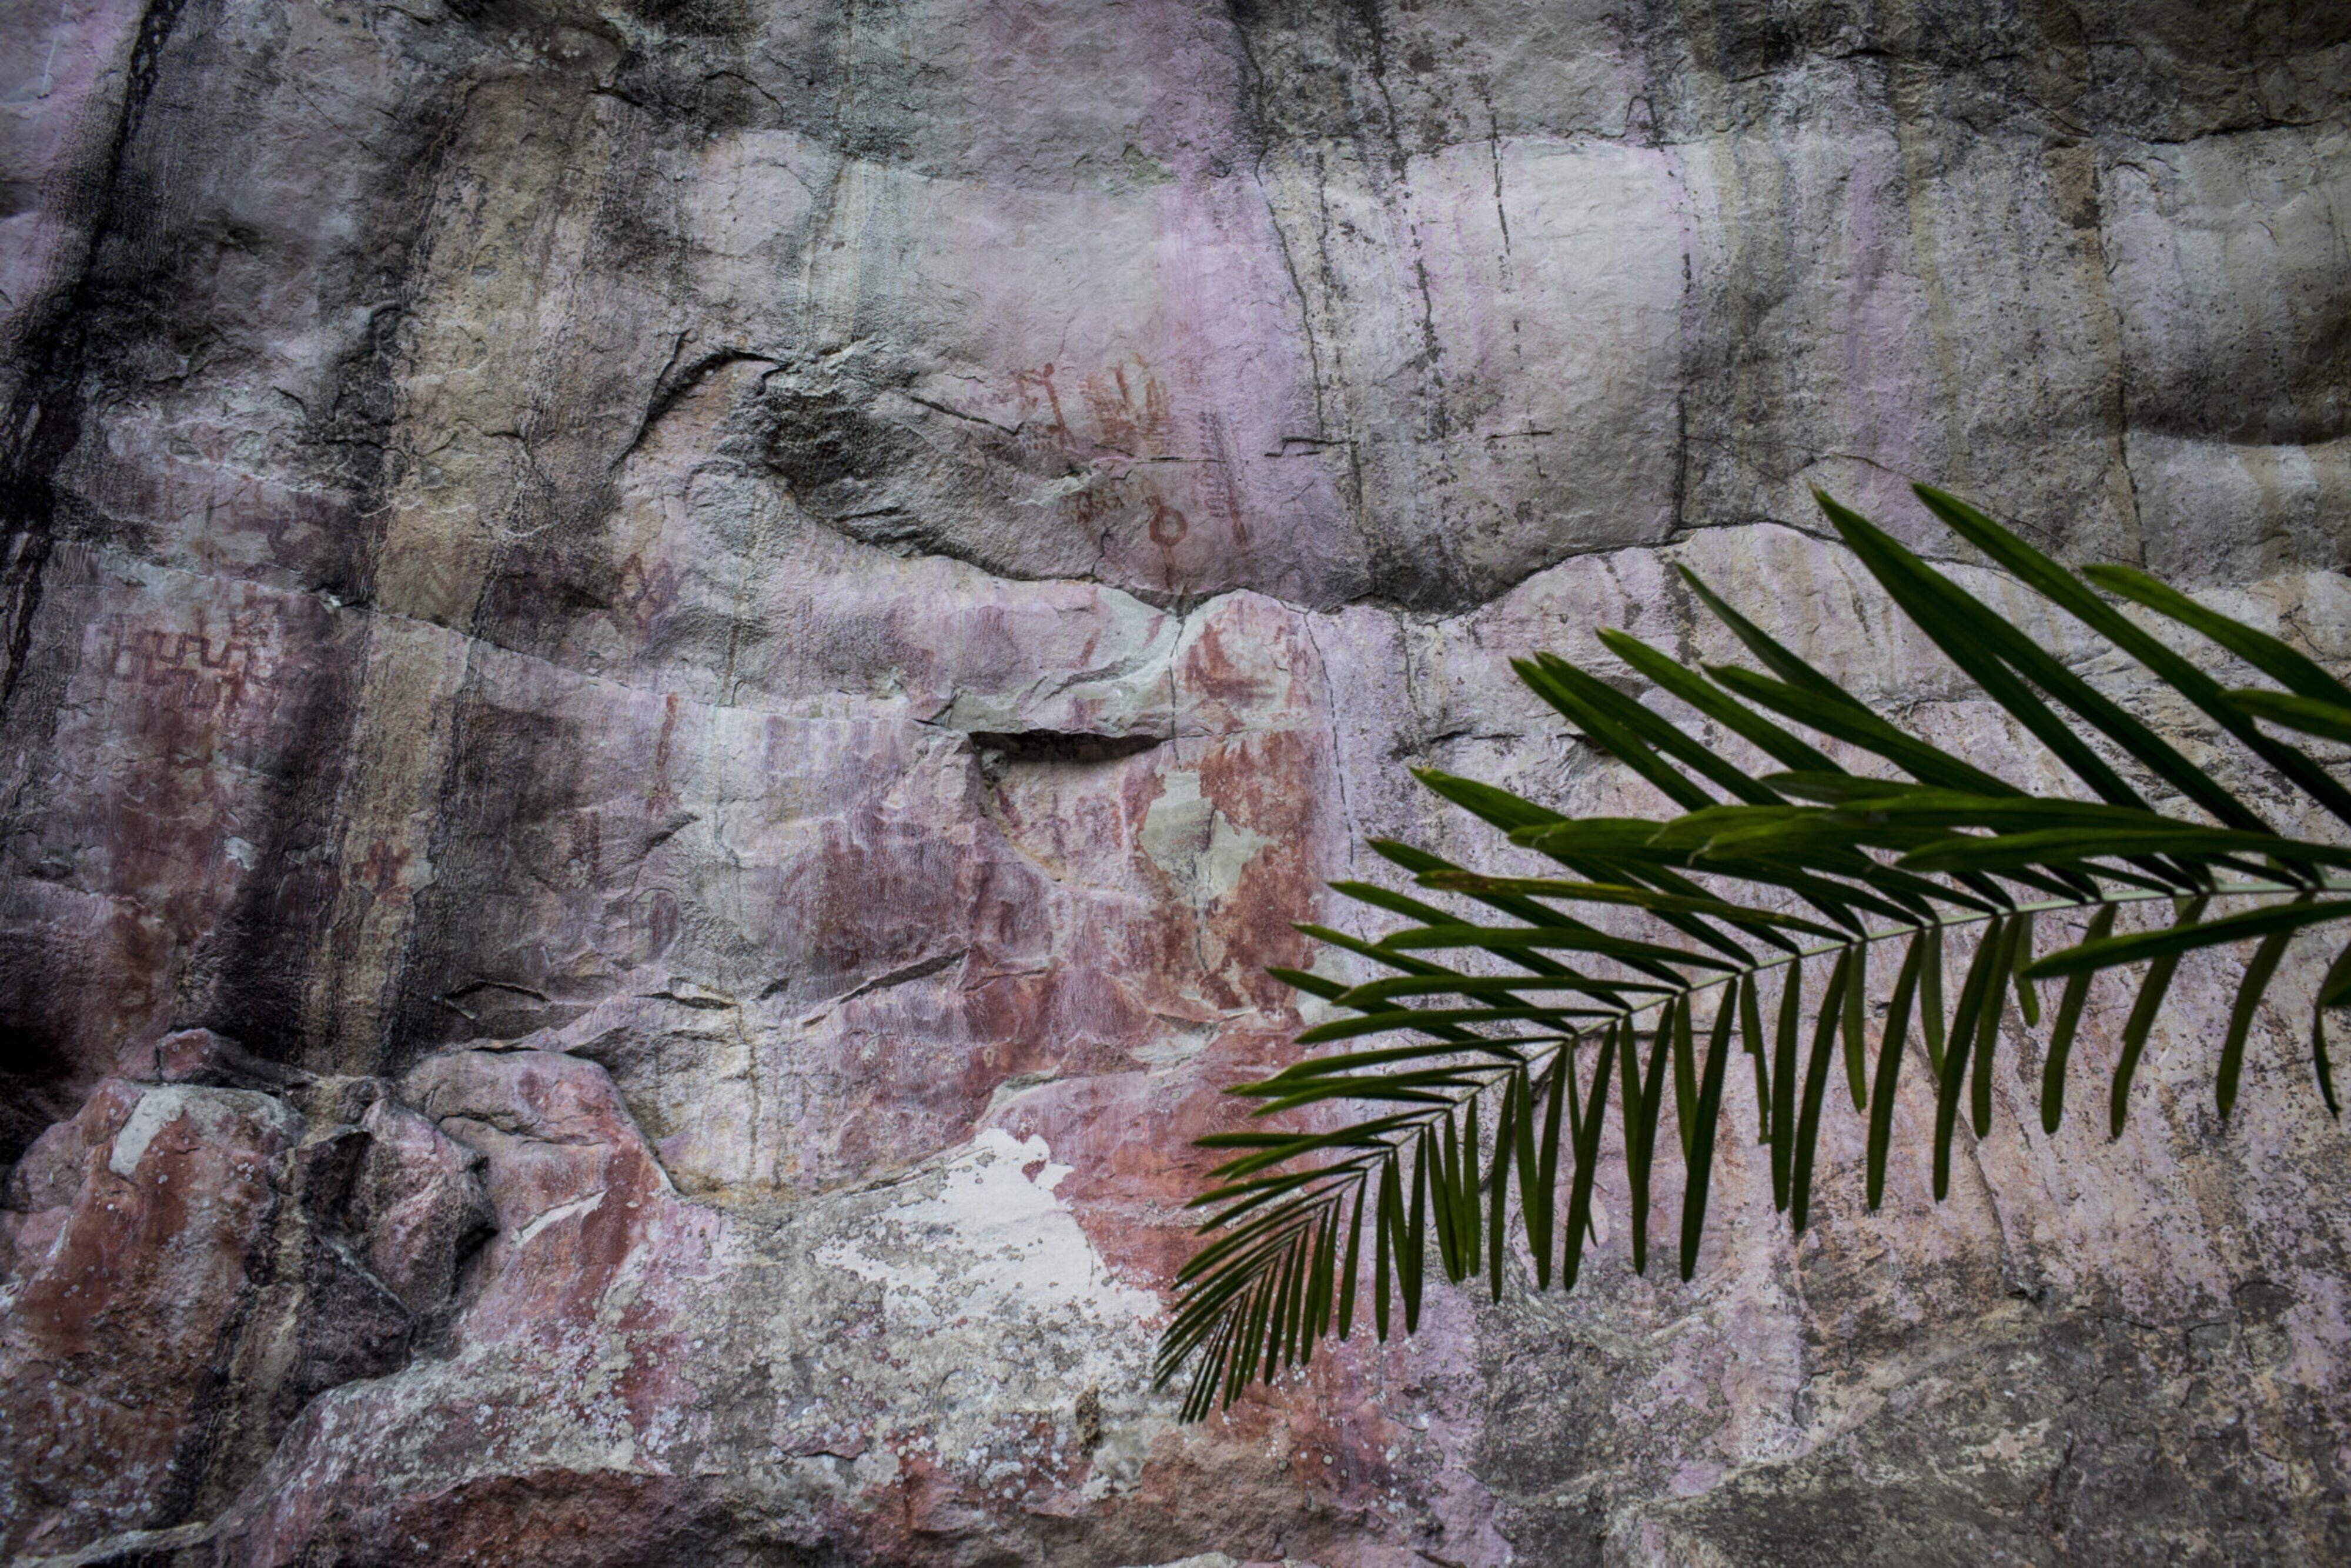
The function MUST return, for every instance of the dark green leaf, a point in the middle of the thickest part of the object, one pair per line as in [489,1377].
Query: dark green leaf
[1750,1027]
[1816,1082]
[1200,1397]
[2266,653]
[1277,1313]
[2240,1016]
[2151,990]
[1930,999]
[1347,1271]
[1215,1300]
[1587,704]
[1277,1148]
[1642,1093]
[1525,910]
[1537,1203]
[1444,1198]
[1695,689]
[1531,912]
[2330,721]
[1394,902]
[1311,983]
[1536,1155]
[1731,832]
[1322,1280]
[1953,1077]
[2028,1000]
[1466,1226]
[1776,658]
[1857,1050]
[1655,730]
[1318,1067]
[1684,1074]
[1988,648]
[1394,960]
[1498,806]
[1499,1184]
[1506,939]
[1489,892]
[1699,1160]
[1619,840]
[1411,1253]
[2007,852]
[1783,1086]
[1857,725]
[1980,986]
[1387,1227]
[1636,897]
[1428,1088]
[1835,899]
[1374,995]
[2069,1019]
[1921,807]
[2335,989]
[1288,1336]
[1838,899]
[1233,1242]
[1271,1276]
[1261,1189]
[2186,936]
[1428,1020]
[1986,1041]
[1243,1364]
[1844,789]
[2054,582]
[1587,1162]
[1831,845]
[1435,1089]
[1889,1065]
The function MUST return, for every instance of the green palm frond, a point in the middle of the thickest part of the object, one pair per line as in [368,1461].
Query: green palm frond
[1748,925]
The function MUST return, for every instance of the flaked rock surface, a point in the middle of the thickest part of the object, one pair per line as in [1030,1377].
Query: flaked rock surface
[668,670]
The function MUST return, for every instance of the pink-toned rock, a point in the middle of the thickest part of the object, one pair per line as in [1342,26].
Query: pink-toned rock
[135,1227]
[416,1205]
[724,637]
[530,1423]
[199,1056]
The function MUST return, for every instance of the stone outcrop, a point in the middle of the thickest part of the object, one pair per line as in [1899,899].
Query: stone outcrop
[668,669]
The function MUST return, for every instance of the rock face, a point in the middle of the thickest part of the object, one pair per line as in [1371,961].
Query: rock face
[670,667]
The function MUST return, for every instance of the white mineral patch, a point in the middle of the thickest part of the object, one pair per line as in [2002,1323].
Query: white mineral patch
[215,1111]
[575,1207]
[992,1241]
[1196,844]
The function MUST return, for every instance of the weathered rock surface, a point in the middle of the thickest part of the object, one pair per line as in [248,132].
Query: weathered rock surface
[669,669]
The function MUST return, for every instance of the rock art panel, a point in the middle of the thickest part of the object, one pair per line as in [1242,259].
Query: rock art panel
[667,673]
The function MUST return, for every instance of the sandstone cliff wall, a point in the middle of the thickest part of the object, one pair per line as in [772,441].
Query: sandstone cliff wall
[670,667]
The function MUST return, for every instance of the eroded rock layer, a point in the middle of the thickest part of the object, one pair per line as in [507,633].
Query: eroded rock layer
[668,670]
